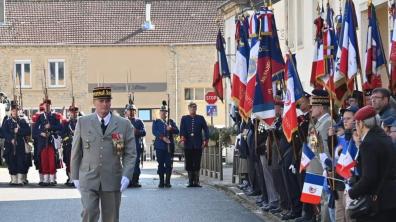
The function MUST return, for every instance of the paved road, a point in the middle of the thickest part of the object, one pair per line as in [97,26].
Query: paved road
[61,204]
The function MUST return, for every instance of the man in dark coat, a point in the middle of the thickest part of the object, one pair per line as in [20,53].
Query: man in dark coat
[15,130]
[68,127]
[140,132]
[191,127]
[376,165]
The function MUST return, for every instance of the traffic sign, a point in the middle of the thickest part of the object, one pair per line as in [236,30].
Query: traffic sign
[211,97]
[211,110]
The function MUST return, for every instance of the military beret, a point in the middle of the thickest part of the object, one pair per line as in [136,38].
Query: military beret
[365,113]
[393,124]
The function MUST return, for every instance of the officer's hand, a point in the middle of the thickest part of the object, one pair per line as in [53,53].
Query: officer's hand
[47,126]
[124,183]
[13,141]
[169,128]
[43,134]
[166,139]
[16,130]
[77,184]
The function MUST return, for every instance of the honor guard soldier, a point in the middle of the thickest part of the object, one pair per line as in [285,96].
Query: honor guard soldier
[15,130]
[191,127]
[139,132]
[164,145]
[68,128]
[36,154]
[103,158]
[46,131]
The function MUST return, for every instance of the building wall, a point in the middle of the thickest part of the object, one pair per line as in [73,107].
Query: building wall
[155,70]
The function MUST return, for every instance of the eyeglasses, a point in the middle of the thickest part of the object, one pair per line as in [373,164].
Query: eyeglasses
[376,97]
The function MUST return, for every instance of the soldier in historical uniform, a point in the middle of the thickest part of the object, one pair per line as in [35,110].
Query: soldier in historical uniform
[103,158]
[15,130]
[68,127]
[36,154]
[46,131]
[191,127]
[164,145]
[139,132]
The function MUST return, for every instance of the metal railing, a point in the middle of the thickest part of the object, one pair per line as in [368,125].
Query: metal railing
[212,162]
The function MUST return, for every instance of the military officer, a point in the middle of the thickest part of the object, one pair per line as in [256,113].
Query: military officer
[191,127]
[46,131]
[36,154]
[139,132]
[103,158]
[68,128]
[15,130]
[164,129]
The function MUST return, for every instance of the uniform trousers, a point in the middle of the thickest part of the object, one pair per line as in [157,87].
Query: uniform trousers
[136,171]
[273,196]
[193,159]
[109,203]
[164,161]
[48,161]
[16,163]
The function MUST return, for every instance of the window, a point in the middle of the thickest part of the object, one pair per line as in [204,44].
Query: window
[22,74]
[199,94]
[2,11]
[56,73]
[196,93]
[145,114]
[188,94]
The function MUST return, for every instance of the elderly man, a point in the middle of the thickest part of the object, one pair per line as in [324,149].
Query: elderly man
[101,140]
[376,165]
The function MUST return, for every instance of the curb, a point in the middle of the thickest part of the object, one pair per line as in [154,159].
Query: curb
[234,193]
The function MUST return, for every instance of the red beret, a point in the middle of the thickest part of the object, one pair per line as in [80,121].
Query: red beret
[365,113]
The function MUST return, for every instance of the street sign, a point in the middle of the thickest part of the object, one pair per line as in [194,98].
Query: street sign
[211,110]
[211,97]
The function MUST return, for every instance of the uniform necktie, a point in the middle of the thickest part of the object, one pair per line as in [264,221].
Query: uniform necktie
[103,126]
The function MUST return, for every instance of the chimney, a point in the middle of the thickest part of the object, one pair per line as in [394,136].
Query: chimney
[147,24]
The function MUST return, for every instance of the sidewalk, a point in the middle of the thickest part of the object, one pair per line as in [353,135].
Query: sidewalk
[232,191]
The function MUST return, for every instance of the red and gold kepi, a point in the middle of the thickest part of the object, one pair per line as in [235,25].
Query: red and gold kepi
[102,92]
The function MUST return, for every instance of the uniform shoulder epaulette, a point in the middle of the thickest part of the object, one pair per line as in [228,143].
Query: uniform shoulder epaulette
[58,116]
[35,117]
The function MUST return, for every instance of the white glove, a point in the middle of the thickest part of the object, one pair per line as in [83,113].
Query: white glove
[77,184]
[323,157]
[124,183]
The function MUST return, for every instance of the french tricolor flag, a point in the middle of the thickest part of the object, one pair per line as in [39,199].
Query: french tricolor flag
[306,157]
[347,160]
[312,189]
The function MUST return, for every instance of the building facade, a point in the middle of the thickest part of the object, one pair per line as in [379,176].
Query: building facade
[154,48]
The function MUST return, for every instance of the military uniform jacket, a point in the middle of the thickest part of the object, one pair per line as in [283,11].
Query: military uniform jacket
[139,134]
[8,130]
[322,126]
[159,131]
[39,127]
[68,128]
[191,128]
[94,161]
